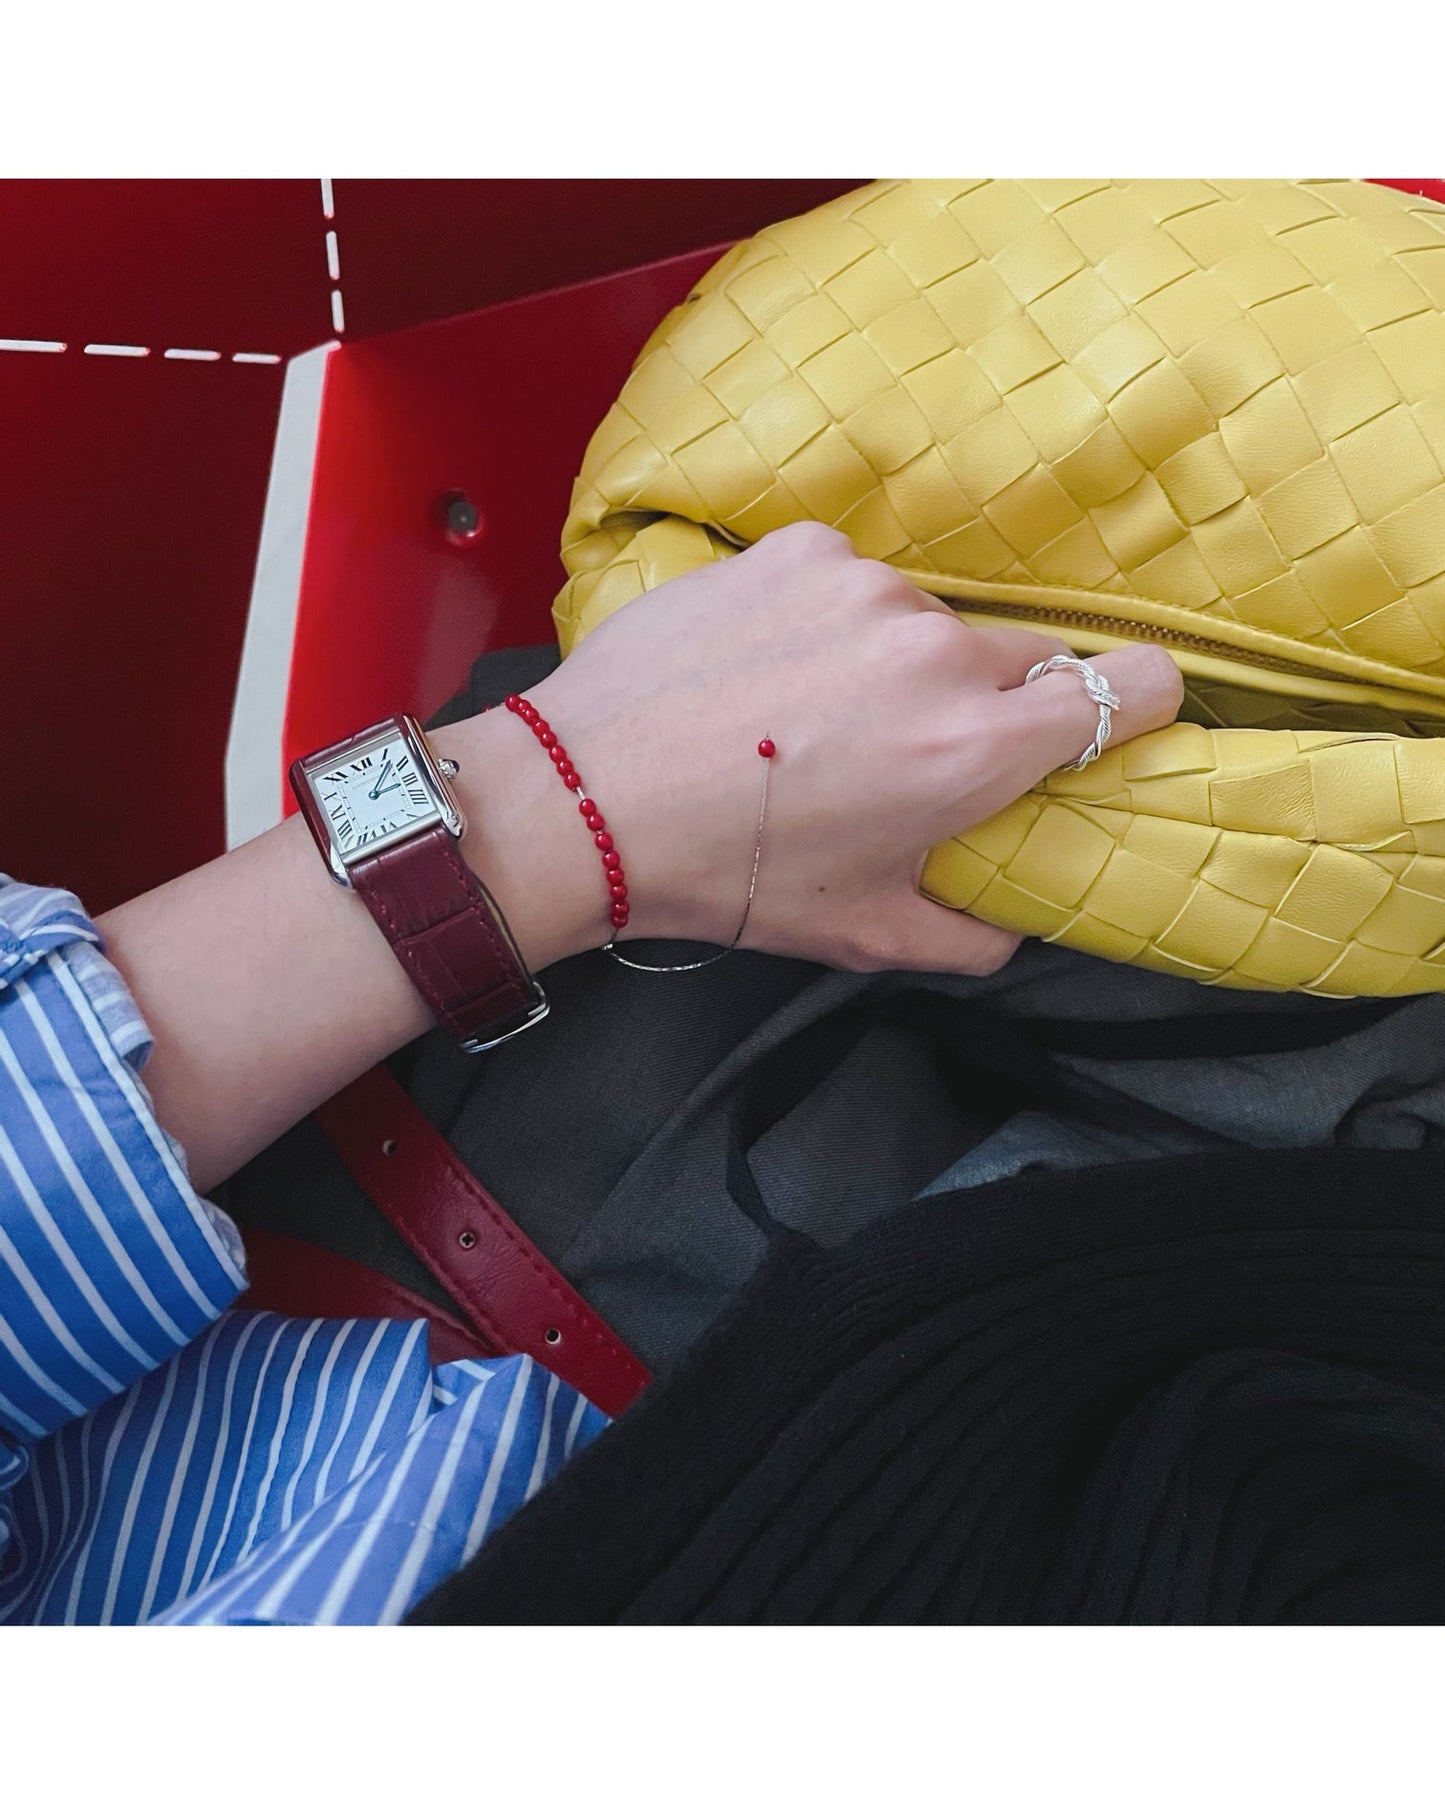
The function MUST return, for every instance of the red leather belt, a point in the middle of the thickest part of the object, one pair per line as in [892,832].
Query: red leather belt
[506,1291]
[296,1278]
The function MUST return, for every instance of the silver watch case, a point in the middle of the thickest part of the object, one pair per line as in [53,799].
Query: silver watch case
[434,773]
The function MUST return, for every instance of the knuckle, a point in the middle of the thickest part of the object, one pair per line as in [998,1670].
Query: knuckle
[808,539]
[934,635]
[1050,647]
[876,579]
[1164,675]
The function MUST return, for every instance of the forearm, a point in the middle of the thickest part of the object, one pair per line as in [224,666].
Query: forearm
[269,987]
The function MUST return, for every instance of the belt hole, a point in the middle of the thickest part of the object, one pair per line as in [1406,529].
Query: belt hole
[466,1239]
[388,1147]
[552,1336]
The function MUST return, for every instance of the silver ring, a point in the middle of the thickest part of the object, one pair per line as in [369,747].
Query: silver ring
[1099,693]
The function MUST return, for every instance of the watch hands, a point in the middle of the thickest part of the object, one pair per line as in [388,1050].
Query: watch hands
[378,792]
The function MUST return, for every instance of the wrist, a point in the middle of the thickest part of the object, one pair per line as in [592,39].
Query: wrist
[523,839]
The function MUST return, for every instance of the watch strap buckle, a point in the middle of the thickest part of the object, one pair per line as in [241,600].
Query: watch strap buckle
[537,1010]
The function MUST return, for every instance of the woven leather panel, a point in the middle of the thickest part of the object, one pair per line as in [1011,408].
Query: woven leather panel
[1207,412]
[1267,860]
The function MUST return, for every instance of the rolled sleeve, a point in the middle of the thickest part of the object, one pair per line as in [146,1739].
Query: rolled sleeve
[109,1261]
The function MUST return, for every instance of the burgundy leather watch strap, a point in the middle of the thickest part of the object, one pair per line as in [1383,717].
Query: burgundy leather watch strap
[449,935]
[502,1284]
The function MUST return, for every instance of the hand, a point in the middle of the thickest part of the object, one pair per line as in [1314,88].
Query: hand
[268,987]
[896,724]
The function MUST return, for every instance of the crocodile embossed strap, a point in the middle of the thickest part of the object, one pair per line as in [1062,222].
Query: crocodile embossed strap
[450,937]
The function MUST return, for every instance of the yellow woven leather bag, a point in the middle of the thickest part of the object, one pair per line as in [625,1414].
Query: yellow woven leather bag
[1206,413]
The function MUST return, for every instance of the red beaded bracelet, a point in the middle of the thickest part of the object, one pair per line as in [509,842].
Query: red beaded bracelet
[612,859]
[586,807]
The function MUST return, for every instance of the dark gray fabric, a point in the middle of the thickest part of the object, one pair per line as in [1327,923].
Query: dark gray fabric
[603,1132]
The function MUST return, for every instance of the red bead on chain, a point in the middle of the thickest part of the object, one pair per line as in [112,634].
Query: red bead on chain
[619,912]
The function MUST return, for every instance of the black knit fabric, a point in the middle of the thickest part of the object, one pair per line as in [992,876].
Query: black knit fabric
[1205,1390]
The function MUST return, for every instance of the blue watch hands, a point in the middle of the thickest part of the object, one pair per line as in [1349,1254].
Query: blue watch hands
[378,792]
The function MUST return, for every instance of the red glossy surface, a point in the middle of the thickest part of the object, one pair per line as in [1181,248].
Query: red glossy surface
[415,251]
[498,405]
[206,265]
[1432,190]
[131,495]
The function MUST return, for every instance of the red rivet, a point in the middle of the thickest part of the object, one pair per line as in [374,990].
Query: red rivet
[766,748]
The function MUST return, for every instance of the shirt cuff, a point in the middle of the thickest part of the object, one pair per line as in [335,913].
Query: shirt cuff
[109,1261]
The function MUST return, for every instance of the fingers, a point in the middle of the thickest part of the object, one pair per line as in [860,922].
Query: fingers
[1049,723]
[1010,653]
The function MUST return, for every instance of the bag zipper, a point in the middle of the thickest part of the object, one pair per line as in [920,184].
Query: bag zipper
[1157,635]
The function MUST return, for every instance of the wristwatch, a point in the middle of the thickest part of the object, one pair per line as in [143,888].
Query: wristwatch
[385,818]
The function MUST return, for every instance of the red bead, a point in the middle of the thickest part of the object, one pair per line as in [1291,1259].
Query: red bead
[766,748]
[602,841]
[617,891]
[611,861]
[619,914]
[572,780]
[558,754]
[513,703]
[548,737]
[565,767]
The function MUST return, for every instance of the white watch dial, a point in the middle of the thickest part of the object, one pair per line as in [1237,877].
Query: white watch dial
[371,797]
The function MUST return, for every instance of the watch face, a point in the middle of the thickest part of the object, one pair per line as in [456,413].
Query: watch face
[374,796]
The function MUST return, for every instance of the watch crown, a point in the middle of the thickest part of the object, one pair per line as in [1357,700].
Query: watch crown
[448,766]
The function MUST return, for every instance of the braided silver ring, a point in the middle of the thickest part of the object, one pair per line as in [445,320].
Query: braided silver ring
[1099,692]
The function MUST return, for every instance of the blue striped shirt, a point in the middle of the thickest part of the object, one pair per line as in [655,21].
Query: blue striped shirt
[164,1455]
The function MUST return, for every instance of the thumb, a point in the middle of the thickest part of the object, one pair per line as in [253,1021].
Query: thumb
[926,936]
